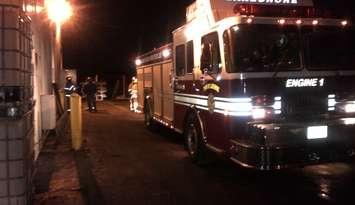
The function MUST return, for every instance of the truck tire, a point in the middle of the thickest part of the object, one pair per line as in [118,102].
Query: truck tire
[194,143]
[148,116]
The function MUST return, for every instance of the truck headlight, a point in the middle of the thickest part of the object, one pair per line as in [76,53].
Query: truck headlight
[342,105]
[262,113]
[259,113]
[349,108]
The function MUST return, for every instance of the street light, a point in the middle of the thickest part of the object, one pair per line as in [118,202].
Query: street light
[58,11]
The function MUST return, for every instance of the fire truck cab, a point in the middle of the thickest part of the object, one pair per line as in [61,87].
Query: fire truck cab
[266,83]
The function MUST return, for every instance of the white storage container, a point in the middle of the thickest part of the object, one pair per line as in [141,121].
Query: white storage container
[48,112]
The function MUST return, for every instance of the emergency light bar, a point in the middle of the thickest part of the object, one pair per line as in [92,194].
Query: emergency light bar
[274,2]
[281,8]
[284,11]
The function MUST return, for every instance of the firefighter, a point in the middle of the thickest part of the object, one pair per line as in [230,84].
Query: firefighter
[90,90]
[133,90]
[69,87]
[68,90]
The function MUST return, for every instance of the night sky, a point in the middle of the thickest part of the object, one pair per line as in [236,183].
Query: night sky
[105,36]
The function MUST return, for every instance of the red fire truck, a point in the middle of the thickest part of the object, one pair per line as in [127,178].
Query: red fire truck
[266,83]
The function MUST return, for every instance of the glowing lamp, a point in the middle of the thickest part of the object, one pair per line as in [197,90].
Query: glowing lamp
[138,62]
[315,22]
[282,21]
[259,113]
[166,53]
[59,11]
[33,9]
[350,108]
[299,22]
[236,28]
[344,23]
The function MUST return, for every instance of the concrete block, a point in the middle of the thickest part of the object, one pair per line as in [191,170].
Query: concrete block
[3,188]
[18,201]
[17,187]
[16,129]
[16,149]
[4,201]
[16,169]
[11,15]
[3,170]
[3,150]
[12,60]
[12,40]
[3,131]
[12,2]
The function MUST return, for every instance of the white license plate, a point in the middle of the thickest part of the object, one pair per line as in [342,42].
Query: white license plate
[317,132]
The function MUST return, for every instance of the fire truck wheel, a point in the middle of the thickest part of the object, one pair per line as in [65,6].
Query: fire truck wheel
[194,143]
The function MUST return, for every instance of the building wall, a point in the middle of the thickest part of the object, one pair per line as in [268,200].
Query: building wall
[47,69]
[46,65]
[42,39]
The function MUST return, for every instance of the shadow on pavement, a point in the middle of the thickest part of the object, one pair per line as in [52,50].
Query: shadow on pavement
[90,190]
[45,166]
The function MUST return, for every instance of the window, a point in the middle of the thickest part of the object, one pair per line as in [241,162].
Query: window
[265,48]
[190,56]
[329,48]
[227,49]
[180,60]
[211,57]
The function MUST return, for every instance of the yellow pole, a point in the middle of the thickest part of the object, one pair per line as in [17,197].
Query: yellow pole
[76,121]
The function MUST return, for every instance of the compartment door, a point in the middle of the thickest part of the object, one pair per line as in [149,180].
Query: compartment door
[157,89]
[140,88]
[168,98]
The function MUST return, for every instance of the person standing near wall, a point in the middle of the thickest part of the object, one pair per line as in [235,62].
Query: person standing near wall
[68,90]
[90,90]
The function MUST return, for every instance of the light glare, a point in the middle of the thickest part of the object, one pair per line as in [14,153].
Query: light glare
[282,21]
[349,121]
[236,28]
[317,132]
[59,11]
[138,62]
[166,53]
[344,23]
[350,108]
[259,113]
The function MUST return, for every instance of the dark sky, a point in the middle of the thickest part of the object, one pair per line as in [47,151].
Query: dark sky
[105,36]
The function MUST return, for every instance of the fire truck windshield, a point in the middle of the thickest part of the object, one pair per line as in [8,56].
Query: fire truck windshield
[329,48]
[274,48]
[265,48]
